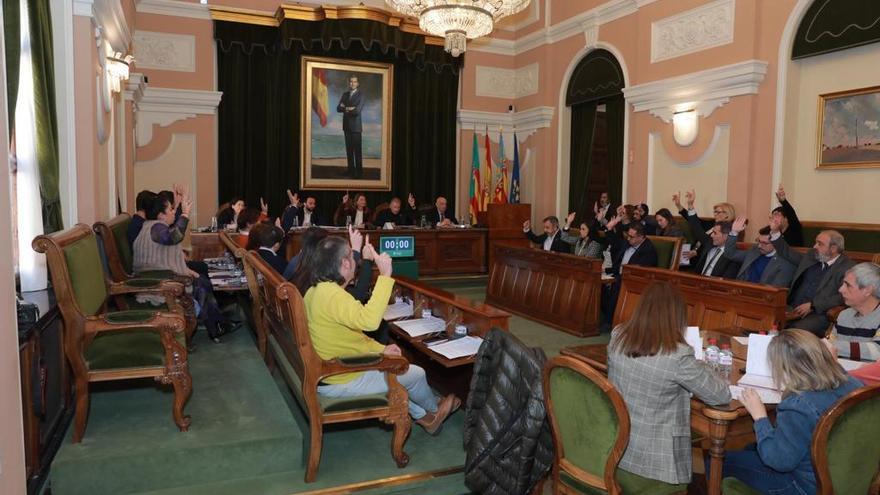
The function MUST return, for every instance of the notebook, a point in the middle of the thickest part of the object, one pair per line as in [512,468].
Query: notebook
[758,374]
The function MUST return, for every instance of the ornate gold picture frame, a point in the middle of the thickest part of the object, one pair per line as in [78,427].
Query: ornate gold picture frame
[848,129]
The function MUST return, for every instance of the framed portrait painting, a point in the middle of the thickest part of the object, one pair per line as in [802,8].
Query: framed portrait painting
[346,124]
[849,129]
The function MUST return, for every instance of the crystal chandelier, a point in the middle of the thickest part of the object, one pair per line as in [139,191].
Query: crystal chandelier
[458,20]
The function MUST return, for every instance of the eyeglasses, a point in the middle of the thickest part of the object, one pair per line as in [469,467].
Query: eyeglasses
[718,212]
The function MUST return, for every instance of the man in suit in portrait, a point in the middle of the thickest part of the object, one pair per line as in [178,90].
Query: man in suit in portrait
[817,278]
[761,264]
[551,239]
[350,106]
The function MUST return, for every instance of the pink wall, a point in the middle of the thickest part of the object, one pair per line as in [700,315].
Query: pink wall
[85,71]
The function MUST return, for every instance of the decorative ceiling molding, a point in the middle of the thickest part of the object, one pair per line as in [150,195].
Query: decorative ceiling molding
[109,17]
[511,84]
[174,8]
[534,15]
[703,91]
[525,123]
[165,51]
[164,106]
[701,28]
[577,25]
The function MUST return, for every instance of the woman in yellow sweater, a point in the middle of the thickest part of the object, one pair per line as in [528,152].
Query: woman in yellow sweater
[337,322]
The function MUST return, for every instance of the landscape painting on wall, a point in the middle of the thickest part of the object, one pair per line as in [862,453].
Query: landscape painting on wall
[346,123]
[849,129]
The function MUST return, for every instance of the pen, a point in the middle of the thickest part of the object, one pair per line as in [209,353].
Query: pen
[432,344]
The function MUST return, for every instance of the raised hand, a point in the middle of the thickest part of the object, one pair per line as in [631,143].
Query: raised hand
[570,218]
[278,222]
[621,211]
[676,200]
[185,206]
[293,198]
[383,263]
[411,200]
[690,196]
[739,224]
[614,221]
[264,207]
[368,252]
[527,225]
[596,208]
[780,194]
[355,238]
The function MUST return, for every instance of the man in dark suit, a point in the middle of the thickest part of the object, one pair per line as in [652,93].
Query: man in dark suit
[636,249]
[442,215]
[551,239]
[350,106]
[761,264]
[306,214]
[817,278]
[269,238]
[711,261]
[393,215]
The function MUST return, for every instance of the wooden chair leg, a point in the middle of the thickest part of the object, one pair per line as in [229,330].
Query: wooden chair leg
[401,432]
[82,409]
[182,383]
[316,432]
[177,374]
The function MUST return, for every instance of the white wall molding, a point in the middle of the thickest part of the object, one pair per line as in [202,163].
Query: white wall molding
[164,106]
[135,87]
[110,19]
[525,123]
[174,8]
[573,26]
[165,51]
[498,82]
[704,90]
[534,15]
[701,28]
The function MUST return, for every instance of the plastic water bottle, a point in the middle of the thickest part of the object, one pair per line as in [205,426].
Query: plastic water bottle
[725,360]
[712,354]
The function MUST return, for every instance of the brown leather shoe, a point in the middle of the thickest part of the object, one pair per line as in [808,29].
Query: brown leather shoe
[433,422]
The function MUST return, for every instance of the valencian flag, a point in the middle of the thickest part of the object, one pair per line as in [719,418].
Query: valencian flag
[476,203]
[501,177]
[514,177]
[487,173]
[320,95]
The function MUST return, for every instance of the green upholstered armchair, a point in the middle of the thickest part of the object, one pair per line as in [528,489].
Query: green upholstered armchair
[668,251]
[845,448]
[590,427]
[105,345]
[290,344]
[113,235]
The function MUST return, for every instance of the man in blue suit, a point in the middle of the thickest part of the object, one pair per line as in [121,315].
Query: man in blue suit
[350,106]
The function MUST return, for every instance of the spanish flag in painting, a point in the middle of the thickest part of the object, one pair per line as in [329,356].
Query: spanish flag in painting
[320,95]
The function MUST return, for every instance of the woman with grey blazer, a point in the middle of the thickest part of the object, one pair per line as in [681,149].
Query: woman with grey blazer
[656,373]
[584,244]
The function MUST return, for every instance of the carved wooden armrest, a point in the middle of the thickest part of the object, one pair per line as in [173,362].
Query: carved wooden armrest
[168,288]
[833,313]
[159,321]
[366,362]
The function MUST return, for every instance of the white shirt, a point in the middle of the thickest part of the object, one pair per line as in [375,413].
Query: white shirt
[359,218]
[307,217]
[712,259]
[548,242]
[630,251]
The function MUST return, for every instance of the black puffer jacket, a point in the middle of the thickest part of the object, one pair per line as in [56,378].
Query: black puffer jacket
[507,433]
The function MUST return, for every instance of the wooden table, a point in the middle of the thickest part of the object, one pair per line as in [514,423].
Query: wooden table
[722,427]
[446,375]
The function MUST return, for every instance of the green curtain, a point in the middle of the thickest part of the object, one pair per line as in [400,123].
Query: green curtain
[12,41]
[583,123]
[615,112]
[45,112]
[259,115]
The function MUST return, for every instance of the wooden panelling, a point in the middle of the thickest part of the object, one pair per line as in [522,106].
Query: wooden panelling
[857,256]
[713,303]
[559,290]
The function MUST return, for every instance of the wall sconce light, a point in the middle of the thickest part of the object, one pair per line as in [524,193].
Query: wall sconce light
[685,126]
[117,70]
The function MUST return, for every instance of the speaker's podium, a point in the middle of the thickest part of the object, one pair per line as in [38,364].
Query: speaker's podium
[402,249]
[505,223]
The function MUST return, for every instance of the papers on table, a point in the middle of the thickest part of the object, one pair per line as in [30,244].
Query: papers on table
[222,274]
[398,310]
[692,337]
[758,373]
[850,365]
[685,261]
[767,395]
[422,326]
[453,349]
[741,340]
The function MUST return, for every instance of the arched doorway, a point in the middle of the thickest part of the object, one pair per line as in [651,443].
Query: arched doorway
[598,109]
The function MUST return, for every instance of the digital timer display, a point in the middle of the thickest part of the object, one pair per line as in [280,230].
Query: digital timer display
[398,246]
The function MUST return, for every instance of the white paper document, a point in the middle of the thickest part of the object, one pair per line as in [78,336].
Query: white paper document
[850,365]
[422,326]
[767,395]
[741,340]
[453,349]
[221,274]
[758,374]
[692,337]
[685,261]
[398,310]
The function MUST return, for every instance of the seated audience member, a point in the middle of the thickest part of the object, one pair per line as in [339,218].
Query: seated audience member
[393,215]
[247,219]
[602,209]
[760,264]
[666,224]
[635,250]
[303,214]
[157,247]
[817,278]
[142,203]
[585,243]
[441,215]
[721,212]
[308,243]
[337,325]
[856,334]
[640,214]
[357,211]
[551,239]
[811,382]
[269,238]
[229,216]
[711,261]
[792,230]
[655,371]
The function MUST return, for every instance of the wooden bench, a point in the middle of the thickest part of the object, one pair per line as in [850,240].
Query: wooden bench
[558,290]
[713,303]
